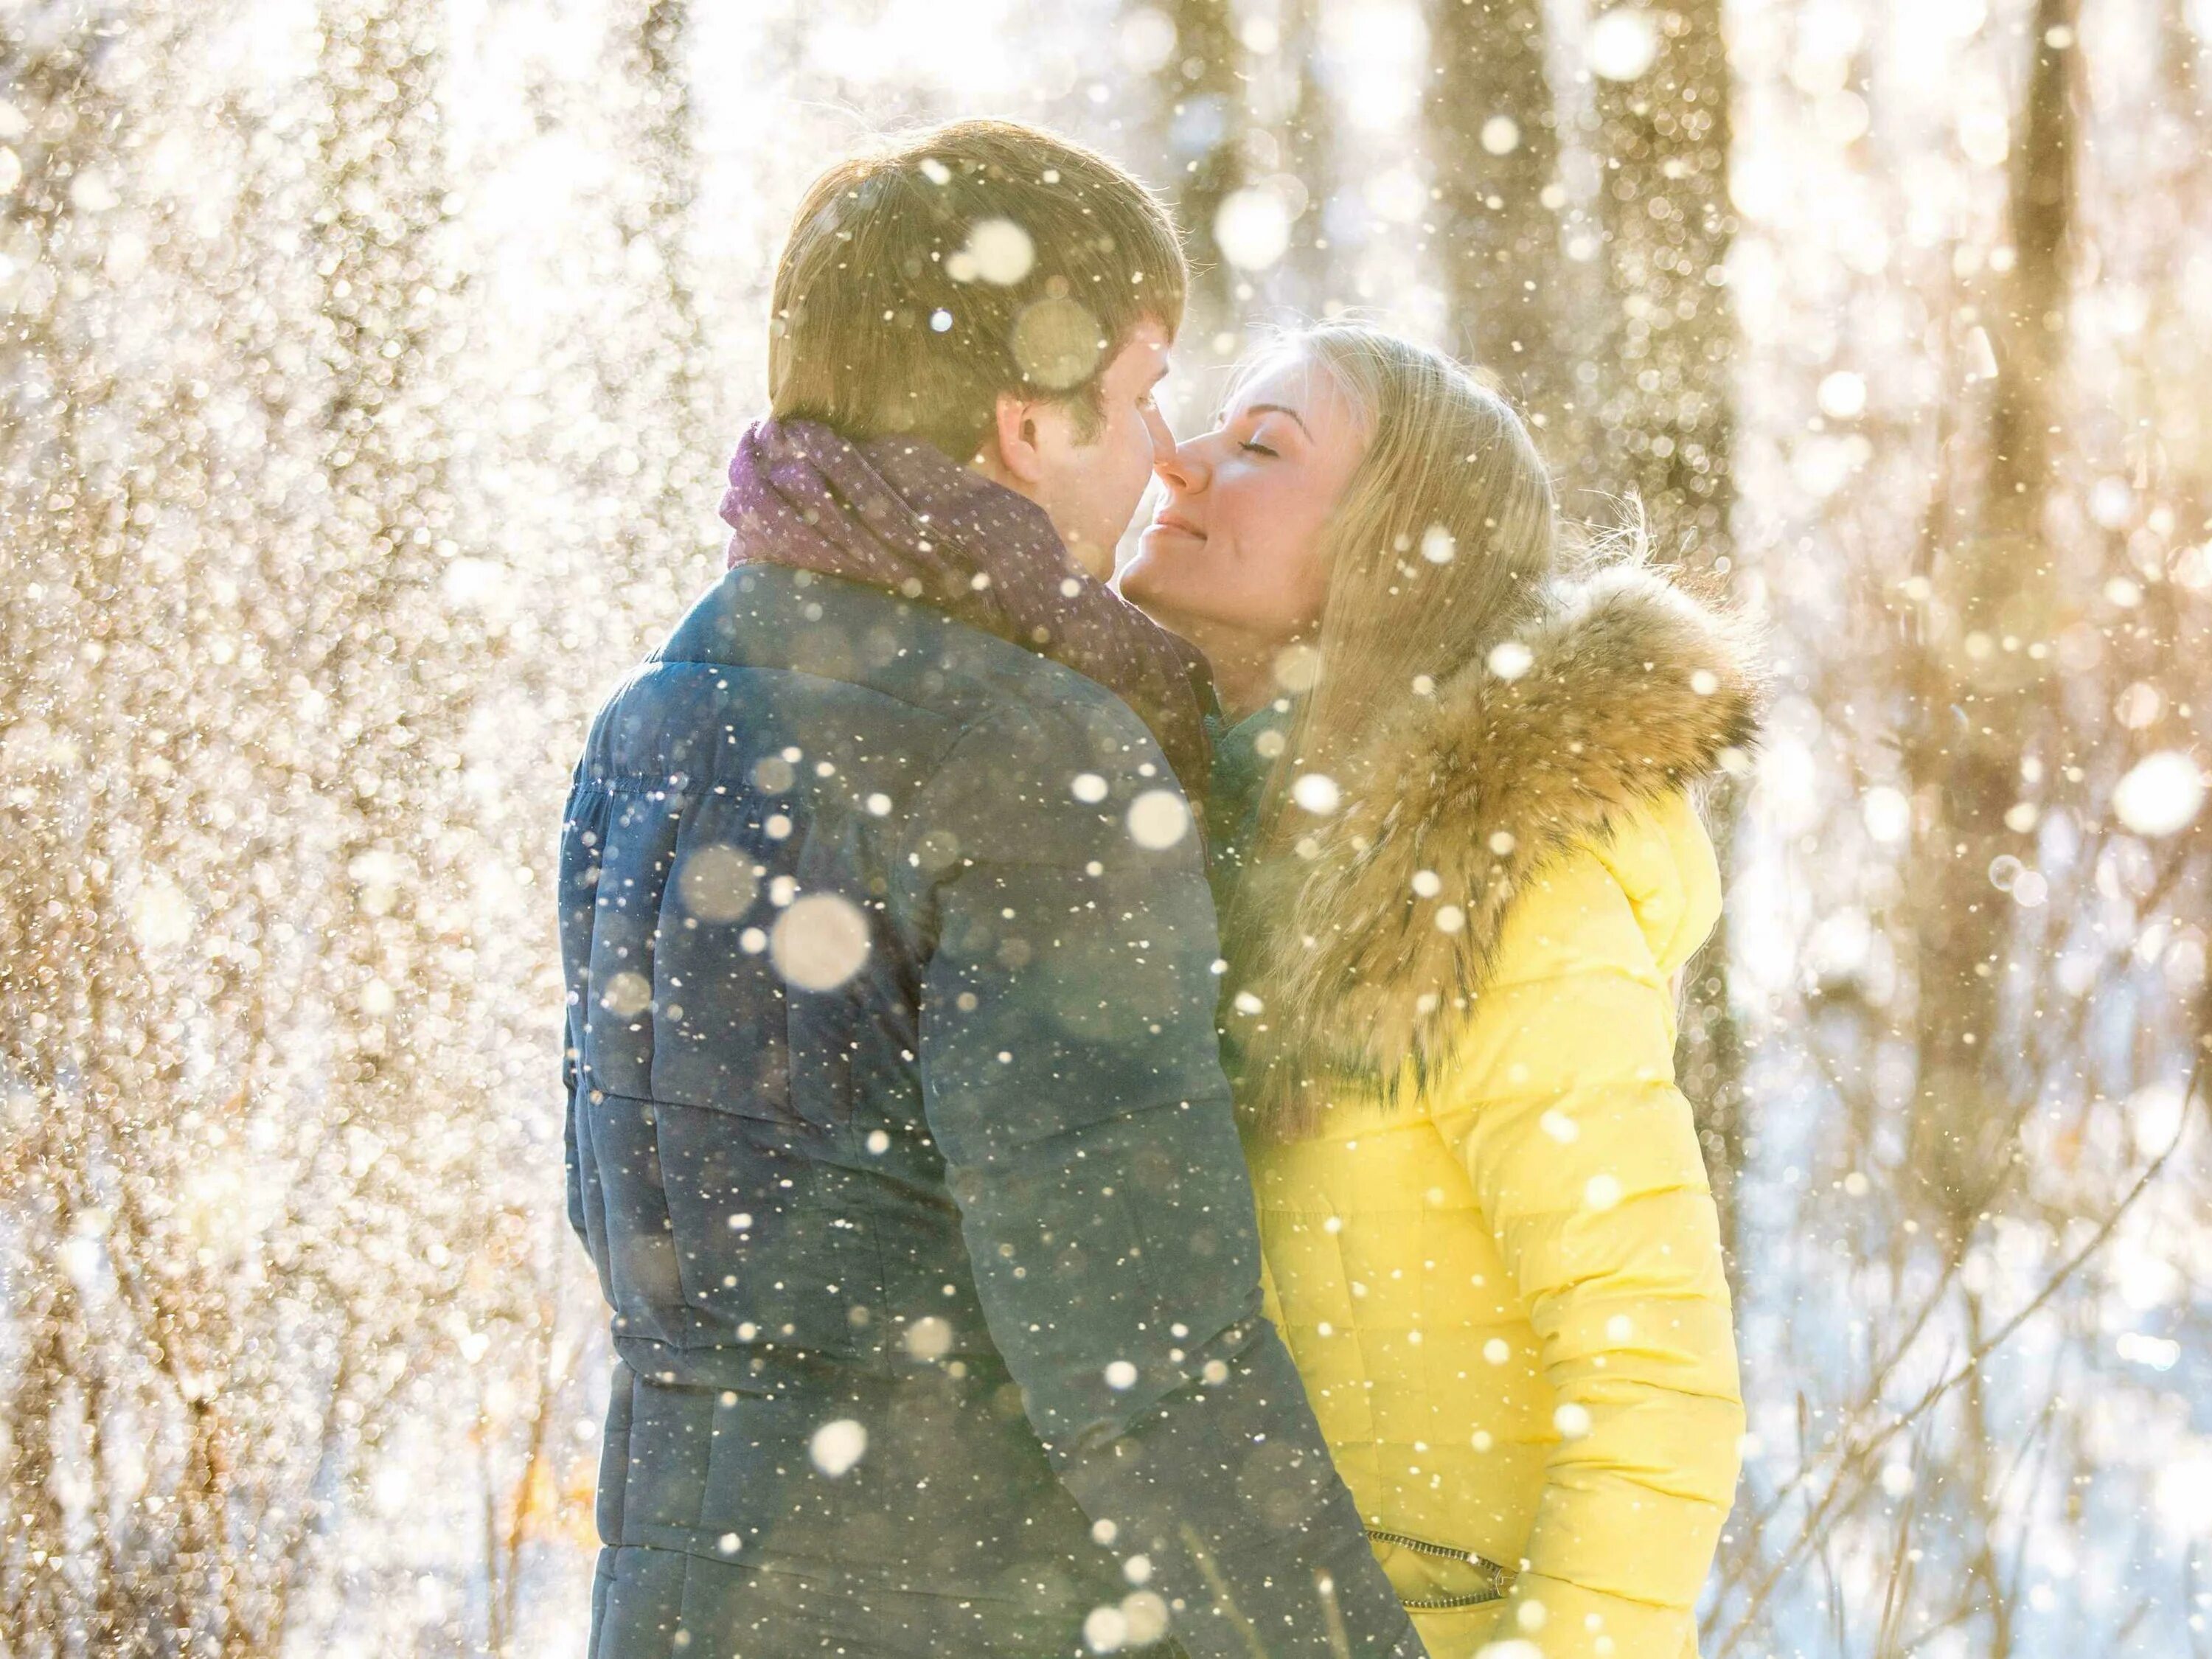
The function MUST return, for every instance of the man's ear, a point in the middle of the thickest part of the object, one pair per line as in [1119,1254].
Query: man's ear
[1014,425]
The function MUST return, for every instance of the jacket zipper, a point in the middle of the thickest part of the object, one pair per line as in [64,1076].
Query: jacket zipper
[1501,1577]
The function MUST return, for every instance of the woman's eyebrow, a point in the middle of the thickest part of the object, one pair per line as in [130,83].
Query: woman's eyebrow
[1281,409]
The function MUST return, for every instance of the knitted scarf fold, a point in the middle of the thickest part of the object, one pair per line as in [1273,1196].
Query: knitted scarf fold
[896,514]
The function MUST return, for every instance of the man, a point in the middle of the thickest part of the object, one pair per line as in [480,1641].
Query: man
[896,1130]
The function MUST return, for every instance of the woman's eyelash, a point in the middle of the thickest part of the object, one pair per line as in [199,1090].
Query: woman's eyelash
[1256,449]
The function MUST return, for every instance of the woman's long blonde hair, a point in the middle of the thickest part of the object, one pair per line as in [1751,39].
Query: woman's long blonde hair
[1438,552]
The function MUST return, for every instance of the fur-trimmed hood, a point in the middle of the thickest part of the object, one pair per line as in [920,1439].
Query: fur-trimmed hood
[1366,946]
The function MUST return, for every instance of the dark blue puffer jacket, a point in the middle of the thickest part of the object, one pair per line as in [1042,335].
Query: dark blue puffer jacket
[897,1135]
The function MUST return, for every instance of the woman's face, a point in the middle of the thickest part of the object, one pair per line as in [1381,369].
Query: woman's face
[1236,542]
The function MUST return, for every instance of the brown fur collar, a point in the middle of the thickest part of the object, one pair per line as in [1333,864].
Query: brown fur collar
[1367,952]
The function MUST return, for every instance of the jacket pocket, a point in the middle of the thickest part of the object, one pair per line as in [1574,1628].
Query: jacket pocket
[1432,1578]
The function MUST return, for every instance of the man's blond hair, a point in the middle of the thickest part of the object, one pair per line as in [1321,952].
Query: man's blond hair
[921,281]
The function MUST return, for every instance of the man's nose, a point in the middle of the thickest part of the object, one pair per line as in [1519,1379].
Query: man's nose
[1161,433]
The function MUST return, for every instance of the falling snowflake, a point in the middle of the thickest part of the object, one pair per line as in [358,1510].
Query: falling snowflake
[1886,813]
[1316,792]
[2160,795]
[1252,229]
[1158,819]
[627,993]
[997,252]
[1511,660]
[819,942]
[1623,43]
[929,1338]
[838,1445]
[717,883]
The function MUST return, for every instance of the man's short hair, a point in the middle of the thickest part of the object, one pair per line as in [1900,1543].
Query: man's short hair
[981,257]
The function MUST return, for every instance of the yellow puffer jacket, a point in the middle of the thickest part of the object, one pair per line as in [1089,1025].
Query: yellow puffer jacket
[1501,1278]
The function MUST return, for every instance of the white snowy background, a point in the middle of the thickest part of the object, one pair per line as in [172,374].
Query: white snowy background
[370,368]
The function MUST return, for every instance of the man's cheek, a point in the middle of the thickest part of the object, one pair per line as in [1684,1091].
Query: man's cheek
[1142,454]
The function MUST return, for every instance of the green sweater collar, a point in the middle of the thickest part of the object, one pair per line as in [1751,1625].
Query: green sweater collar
[1240,779]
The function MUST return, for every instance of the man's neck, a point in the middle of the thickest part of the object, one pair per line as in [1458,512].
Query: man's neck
[1092,562]
[985,461]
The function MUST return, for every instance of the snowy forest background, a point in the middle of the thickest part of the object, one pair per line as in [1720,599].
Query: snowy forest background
[368,366]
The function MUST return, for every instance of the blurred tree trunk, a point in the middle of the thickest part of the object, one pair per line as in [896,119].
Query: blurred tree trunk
[153,1406]
[2188,428]
[515,1507]
[395,671]
[1979,711]
[1658,415]
[1666,413]
[1979,699]
[661,40]
[1203,96]
[672,385]
[1309,155]
[39,919]
[73,1574]
[1493,137]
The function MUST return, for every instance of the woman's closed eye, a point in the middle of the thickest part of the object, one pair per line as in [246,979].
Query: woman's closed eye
[1251,447]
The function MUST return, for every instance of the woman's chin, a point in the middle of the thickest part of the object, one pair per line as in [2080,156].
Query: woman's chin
[1140,581]
[1161,582]
[1163,609]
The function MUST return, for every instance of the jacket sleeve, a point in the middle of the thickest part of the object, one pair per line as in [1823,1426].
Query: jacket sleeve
[574,1170]
[1585,1159]
[578,878]
[1072,1083]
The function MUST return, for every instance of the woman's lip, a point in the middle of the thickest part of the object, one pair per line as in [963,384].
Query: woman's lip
[1169,521]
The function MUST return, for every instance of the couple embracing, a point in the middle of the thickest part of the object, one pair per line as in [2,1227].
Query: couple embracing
[1142,1120]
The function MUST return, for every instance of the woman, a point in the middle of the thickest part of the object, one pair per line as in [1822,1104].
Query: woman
[1461,873]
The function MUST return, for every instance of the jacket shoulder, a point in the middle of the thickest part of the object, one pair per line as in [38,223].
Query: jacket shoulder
[1639,899]
[1662,860]
[765,616]
[816,651]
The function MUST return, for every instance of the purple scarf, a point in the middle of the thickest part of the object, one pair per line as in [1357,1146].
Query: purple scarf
[895,514]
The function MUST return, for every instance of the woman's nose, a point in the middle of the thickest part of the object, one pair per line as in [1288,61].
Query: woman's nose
[1182,469]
